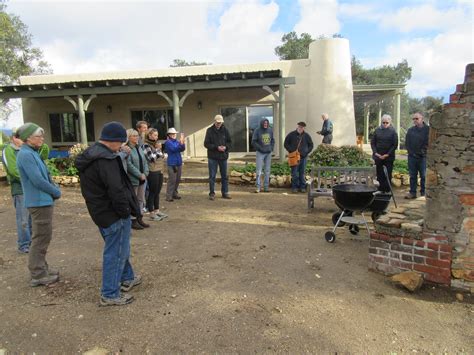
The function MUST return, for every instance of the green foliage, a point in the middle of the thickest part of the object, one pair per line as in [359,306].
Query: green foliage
[294,47]
[52,168]
[184,63]
[17,55]
[277,169]
[61,166]
[400,166]
[386,74]
[329,155]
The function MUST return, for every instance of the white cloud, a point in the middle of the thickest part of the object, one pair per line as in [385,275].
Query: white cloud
[318,17]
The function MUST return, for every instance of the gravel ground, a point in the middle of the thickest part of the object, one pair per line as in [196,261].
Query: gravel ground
[251,274]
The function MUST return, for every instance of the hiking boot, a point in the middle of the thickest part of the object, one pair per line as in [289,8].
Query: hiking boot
[410,197]
[294,191]
[161,214]
[122,300]
[227,197]
[128,285]
[47,280]
[257,191]
[266,190]
[303,190]
[156,218]
[169,199]
[136,225]
[53,272]
[142,223]
[177,197]
[212,197]
[24,250]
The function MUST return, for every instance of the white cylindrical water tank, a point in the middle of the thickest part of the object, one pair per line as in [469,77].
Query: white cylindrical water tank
[330,90]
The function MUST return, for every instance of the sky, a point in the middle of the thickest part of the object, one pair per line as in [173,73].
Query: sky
[434,36]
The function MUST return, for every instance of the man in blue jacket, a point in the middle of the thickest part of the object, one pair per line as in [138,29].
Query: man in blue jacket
[326,130]
[39,195]
[416,142]
[263,142]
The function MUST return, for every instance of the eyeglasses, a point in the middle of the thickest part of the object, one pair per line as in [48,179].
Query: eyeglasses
[385,122]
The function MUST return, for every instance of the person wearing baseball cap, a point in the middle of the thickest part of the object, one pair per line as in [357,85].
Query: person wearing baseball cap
[173,147]
[39,194]
[218,144]
[111,200]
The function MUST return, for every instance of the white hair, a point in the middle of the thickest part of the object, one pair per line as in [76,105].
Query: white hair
[387,117]
[325,115]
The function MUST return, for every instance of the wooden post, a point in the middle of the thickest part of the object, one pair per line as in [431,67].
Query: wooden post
[282,118]
[176,113]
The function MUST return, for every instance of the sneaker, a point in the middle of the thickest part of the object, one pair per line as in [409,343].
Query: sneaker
[303,190]
[257,191]
[24,251]
[212,197]
[128,285]
[156,218]
[122,300]
[136,225]
[266,190]
[410,197]
[227,197]
[47,280]
[294,191]
[142,223]
[164,215]
[53,272]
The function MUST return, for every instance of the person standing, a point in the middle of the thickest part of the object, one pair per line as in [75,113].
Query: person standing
[416,142]
[23,218]
[111,201]
[137,170]
[218,143]
[263,142]
[39,195]
[142,128]
[173,148]
[384,143]
[326,131]
[154,157]
[301,141]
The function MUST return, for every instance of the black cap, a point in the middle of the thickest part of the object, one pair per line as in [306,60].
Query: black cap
[113,132]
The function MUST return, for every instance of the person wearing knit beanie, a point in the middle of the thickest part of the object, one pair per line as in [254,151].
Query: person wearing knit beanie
[113,132]
[27,130]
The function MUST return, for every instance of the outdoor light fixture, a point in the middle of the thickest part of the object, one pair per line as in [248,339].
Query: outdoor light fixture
[109,109]
[199,105]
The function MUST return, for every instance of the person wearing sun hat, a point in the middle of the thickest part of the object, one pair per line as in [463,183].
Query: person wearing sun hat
[39,195]
[173,148]
[111,200]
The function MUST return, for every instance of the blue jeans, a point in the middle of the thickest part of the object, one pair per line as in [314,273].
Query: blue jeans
[23,223]
[263,160]
[298,180]
[417,165]
[116,267]
[222,164]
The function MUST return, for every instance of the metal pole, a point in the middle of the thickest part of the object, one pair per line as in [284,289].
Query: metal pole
[176,114]
[397,116]
[82,119]
[380,112]
[366,123]
[282,118]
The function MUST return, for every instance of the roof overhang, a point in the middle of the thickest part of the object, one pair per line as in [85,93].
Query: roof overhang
[371,94]
[149,84]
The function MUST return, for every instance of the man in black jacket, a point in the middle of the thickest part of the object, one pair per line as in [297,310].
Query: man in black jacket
[218,144]
[110,200]
[416,142]
[301,141]
[384,143]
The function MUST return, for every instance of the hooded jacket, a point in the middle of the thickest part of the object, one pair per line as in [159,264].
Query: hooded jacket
[214,138]
[262,138]
[105,186]
[9,162]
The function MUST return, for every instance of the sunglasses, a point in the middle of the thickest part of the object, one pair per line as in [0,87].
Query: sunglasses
[385,122]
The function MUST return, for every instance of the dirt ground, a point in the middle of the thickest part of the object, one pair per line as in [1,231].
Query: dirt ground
[248,275]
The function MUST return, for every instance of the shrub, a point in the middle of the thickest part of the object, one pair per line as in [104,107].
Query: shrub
[329,155]
[400,166]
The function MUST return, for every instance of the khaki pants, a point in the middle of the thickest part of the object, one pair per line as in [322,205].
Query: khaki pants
[42,226]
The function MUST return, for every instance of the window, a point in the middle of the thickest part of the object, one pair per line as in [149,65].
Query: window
[158,119]
[65,127]
[242,122]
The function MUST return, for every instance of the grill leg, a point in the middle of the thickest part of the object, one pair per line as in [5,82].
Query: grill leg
[340,217]
[365,222]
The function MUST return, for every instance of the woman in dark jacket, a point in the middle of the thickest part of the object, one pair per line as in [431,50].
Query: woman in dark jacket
[384,143]
[173,148]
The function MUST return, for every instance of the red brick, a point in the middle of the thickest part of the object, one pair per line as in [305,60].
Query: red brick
[439,263]
[378,244]
[454,97]
[468,169]
[459,87]
[469,275]
[428,253]
[419,243]
[406,241]
[445,248]
[467,199]
[405,257]
[433,246]
[418,260]
[444,280]
[402,248]
[372,251]
[466,106]
[432,270]
[383,252]
[375,235]
[445,256]
[380,259]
